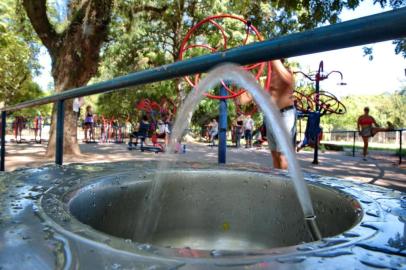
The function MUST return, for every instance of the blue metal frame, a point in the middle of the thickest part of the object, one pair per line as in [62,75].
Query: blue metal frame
[3,140]
[222,127]
[384,26]
[60,113]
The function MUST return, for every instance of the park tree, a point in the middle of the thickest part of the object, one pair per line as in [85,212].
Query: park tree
[132,35]
[143,40]
[74,47]
[16,69]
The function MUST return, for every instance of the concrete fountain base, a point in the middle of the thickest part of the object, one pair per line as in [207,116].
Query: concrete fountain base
[85,216]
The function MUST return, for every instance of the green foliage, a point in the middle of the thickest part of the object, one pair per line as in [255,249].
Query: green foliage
[149,33]
[384,107]
[17,60]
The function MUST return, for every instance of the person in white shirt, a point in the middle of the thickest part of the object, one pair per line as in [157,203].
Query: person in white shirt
[163,131]
[248,128]
[214,129]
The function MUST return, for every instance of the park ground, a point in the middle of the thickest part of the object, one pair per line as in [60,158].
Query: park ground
[380,169]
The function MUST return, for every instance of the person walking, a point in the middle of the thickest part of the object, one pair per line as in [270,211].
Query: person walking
[89,124]
[239,129]
[248,128]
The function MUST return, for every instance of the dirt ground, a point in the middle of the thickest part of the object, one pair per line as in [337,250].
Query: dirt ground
[380,169]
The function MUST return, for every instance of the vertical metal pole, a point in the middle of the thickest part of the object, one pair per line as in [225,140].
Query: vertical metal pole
[60,113]
[400,146]
[353,143]
[222,127]
[3,141]
[316,145]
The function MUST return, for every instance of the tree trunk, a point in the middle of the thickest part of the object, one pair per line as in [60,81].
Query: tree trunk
[74,54]
[70,141]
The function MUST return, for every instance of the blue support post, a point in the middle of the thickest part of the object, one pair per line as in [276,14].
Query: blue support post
[316,145]
[3,141]
[400,146]
[59,132]
[353,143]
[222,127]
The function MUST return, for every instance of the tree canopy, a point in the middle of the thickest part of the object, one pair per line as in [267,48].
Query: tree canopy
[140,40]
[104,39]
[18,62]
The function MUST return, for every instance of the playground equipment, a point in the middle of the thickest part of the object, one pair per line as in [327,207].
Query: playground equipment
[111,130]
[34,125]
[155,111]
[196,42]
[317,104]
[220,23]
[83,214]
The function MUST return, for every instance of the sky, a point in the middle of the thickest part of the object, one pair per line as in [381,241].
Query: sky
[385,73]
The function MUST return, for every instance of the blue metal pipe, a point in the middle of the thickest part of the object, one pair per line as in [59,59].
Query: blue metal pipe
[3,140]
[400,146]
[222,127]
[60,115]
[384,26]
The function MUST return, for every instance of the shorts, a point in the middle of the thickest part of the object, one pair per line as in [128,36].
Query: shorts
[289,119]
[248,134]
[88,124]
[366,132]
[161,135]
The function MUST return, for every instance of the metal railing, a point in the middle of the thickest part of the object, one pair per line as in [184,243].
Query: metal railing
[385,26]
[353,135]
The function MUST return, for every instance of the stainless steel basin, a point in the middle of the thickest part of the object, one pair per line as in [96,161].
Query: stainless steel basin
[84,216]
[212,209]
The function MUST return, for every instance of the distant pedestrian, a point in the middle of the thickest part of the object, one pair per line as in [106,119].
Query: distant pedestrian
[367,128]
[239,129]
[248,128]
[89,124]
[213,131]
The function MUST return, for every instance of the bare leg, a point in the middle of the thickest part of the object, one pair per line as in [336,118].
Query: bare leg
[283,162]
[365,149]
[279,160]
[86,134]
[376,130]
[276,159]
[91,133]
[166,139]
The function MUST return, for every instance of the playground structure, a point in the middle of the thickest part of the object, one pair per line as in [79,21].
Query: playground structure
[365,231]
[157,113]
[261,70]
[110,130]
[28,129]
[317,104]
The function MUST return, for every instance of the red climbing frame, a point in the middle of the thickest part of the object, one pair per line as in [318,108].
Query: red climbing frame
[215,21]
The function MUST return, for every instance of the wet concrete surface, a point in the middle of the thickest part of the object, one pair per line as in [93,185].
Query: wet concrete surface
[37,231]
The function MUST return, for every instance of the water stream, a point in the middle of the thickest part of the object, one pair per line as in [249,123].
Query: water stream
[236,75]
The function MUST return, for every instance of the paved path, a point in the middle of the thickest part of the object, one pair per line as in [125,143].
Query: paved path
[380,171]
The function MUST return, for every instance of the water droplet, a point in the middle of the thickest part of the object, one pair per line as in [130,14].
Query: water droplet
[145,247]
[373,213]
[216,253]
[291,259]
[351,234]
[304,248]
